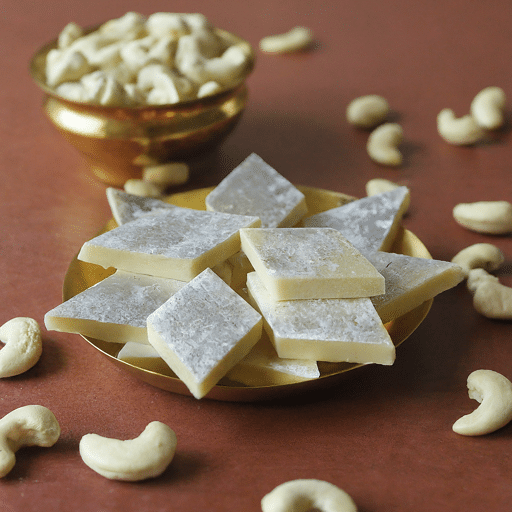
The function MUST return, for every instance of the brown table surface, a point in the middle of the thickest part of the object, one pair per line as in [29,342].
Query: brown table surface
[385,435]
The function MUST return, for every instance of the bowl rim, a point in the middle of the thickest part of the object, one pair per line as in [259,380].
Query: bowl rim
[38,59]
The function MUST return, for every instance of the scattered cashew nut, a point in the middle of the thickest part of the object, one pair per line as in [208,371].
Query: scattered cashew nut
[379,185]
[31,425]
[494,392]
[459,131]
[490,298]
[478,276]
[146,456]
[307,494]
[490,217]
[484,256]
[23,346]
[367,111]
[382,145]
[487,107]
[165,175]
[296,39]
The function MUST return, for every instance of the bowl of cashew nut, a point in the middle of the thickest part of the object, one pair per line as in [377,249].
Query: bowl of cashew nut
[138,91]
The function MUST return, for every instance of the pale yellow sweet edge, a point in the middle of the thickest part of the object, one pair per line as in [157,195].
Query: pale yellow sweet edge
[115,333]
[260,375]
[397,223]
[152,265]
[258,367]
[240,267]
[153,363]
[295,215]
[284,289]
[200,389]
[330,351]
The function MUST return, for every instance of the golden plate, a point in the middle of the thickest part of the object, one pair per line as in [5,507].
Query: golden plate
[81,275]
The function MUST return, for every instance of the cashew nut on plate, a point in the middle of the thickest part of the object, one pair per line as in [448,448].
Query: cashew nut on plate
[494,392]
[458,130]
[305,495]
[490,298]
[382,145]
[490,217]
[31,425]
[367,111]
[482,255]
[146,456]
[23,346]
[487,107]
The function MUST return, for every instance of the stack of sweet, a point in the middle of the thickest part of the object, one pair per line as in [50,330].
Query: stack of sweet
[251,288]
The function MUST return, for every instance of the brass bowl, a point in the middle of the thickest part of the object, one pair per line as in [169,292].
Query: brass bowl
[118,141]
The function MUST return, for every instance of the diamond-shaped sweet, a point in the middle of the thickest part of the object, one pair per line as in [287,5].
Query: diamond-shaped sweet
[255,188]
[204,330]
[127,207]
[334,330]
[370,223]
[411,281]
[309,263]
[115,309]
[178,243]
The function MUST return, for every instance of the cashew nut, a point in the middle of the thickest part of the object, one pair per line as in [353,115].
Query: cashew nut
[459,131]
[208,89]
[98,87]
[225,69]
[69,66]
[138,187]
[161,24]
[490,298]
[31,425]
[146,456]
[487,107]
[494,392]
[305,495]
[70,33]
[378,186]
[382,145]
[484,256]
[490,217]
[296,39]
[165,175]
[367,111]
[23,346]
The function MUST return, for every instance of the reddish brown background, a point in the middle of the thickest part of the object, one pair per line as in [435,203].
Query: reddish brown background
[384,436]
